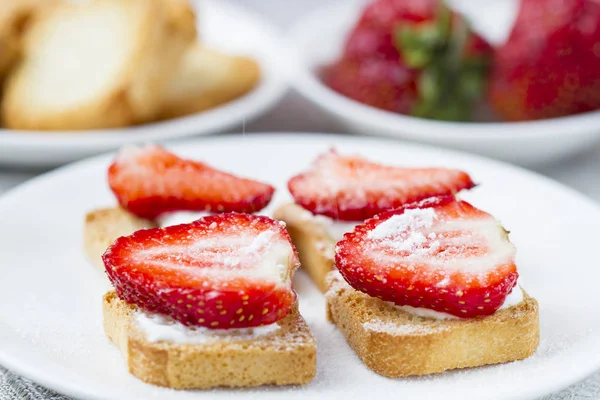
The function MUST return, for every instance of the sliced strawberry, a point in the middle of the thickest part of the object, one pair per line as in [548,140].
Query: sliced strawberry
[351,188]
[221,271]
[441,254]
[149,181]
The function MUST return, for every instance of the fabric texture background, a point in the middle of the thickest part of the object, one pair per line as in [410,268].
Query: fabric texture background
[14,387]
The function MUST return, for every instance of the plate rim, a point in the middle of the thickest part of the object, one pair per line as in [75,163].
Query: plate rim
[39,375]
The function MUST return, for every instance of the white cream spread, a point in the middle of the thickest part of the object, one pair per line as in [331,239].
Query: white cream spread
[515,297]
[180,217]
[158,328]
[426,312]
[335,228]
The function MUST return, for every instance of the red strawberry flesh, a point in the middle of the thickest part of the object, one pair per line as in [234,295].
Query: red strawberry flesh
[221,271]
[351,188]
[550,65]
[378,82]
[150,181]
[441,254]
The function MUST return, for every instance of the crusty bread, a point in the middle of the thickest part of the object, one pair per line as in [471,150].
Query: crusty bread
[102,227]
[15,16]
[393,342]
[396,343]
[207,78]
[99,64]
[315,247]
[283,357]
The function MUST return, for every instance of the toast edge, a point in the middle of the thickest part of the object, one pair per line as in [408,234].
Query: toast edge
[103,226]
[218,364]
[508,335]
[315,247]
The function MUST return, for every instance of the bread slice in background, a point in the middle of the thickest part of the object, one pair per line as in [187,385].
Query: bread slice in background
[182,17]
[15,17]
[316,248]
[207,78]
[395,343]
[286,356]
[99,64]
[102,227]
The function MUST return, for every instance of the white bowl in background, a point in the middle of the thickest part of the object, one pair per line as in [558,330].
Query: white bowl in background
[226,27]
[318,38]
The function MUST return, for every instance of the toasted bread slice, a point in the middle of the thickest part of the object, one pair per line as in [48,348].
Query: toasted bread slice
[286,356]
[78,74]
[103,227]
[316,248]
[207,78]
[15,17]
[395,343]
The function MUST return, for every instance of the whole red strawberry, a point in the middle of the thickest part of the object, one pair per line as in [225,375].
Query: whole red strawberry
[412,57]
[550,64]
[373,35]
[379,82]
[442,254]
[221,271]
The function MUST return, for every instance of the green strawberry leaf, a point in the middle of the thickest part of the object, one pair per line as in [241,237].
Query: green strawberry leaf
[450,82]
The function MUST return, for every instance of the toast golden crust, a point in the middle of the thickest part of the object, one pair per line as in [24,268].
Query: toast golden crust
[133,90]
[315,247]
[283,357]
[102,227]
[207,78]
[395,343]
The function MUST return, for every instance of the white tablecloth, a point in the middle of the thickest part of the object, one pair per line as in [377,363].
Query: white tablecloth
[294,114]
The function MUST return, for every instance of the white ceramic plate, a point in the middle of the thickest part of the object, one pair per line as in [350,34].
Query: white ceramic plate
[50,297]
[318,39]
[222,25]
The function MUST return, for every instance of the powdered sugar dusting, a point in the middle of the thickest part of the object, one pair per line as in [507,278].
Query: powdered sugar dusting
[412,219]
[326,248]
[335,283]
[337,286]
[405,232]
[472,245]
[262,240]
[444,282]
[336,184]
[395,329]
[223,252]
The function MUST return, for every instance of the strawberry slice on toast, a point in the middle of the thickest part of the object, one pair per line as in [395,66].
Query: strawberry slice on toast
[442,254]
[351,188]
[221,271]
[149,181]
